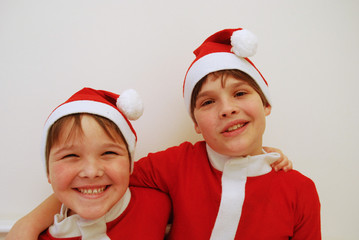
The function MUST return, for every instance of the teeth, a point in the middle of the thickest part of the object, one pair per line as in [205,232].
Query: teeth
[234,127]
[91,191]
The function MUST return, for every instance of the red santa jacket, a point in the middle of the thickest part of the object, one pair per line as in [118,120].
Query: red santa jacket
[275,205]
[145,217]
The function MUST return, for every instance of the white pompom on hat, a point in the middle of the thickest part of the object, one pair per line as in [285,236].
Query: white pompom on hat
[224,50]
[117,108]
[130,103]
[244,43]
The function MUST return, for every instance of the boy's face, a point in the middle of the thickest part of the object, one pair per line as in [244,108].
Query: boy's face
[230,116]
[89,172]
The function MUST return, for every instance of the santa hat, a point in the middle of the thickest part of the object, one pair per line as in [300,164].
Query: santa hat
[224,50]
[117,108]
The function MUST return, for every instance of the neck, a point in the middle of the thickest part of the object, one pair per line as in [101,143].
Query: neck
[66,226]
[257,164]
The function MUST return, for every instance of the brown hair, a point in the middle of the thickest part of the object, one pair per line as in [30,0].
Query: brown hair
[110,128]
[238,74]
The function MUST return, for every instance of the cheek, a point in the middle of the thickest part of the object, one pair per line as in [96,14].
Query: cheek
[119,172]
[61,176]
[254,109]
[205,121]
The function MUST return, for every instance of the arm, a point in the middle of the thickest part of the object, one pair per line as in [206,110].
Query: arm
[281,164]
[159,170]
[307,216]
[35,222]
[148,172]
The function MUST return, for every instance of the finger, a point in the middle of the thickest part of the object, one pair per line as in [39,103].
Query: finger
[289,167]
[277,162]
[271,149]
[284,165]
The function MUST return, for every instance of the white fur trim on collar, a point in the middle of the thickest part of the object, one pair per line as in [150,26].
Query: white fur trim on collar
[234,178]
[74,226]
[255,165]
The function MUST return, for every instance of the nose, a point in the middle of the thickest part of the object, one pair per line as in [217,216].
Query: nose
[228,108]
[91,168]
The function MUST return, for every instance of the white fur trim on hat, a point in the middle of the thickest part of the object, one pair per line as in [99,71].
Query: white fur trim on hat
[92,107]
[215,62]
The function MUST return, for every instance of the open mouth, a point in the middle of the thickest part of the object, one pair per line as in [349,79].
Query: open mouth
[235,127]
[92,191]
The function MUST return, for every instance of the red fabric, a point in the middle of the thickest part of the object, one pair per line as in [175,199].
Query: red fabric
[277,205]
[145,217]
[90,94]
[47,236]
[217,42]
[102,96]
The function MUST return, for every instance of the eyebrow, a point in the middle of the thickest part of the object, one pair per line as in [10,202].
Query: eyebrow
[121,146]
[68,147]
[239,83]
[61,148]
[235,84]
[203,94]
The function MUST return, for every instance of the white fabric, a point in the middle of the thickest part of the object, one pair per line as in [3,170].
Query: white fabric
[234,177]
[219,61]
[73,226]
[92,107]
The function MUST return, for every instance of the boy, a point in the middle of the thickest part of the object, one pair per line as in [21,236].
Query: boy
[88,147]
[223,187]
[164,170]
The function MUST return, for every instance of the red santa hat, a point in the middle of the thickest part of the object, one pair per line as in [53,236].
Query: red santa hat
[226,49]
[117,108]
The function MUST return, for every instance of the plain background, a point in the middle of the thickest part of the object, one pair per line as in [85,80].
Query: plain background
[308,51]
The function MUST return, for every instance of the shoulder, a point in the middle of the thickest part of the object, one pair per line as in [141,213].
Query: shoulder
[147,193]
[185,146]
[293,176]
[152,205]
[185,149]
[296,181]
[150,197]
[145,217]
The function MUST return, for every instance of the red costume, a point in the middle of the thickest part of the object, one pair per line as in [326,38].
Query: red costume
[271,205]
[143,215]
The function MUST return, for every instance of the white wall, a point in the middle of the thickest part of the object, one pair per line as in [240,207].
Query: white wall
[308,51]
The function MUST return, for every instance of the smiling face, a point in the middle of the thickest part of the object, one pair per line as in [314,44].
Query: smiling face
[89,168]
[230,115]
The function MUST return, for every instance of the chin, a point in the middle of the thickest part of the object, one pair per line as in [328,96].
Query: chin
[231,153]
[235,151]
[91,216]
[91,212]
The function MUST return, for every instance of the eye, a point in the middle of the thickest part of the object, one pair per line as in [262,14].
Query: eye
[110,153]
[240,93]
[72,155]
[207,102]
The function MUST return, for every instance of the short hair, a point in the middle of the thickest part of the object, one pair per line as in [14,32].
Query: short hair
[238,74]
[110,128]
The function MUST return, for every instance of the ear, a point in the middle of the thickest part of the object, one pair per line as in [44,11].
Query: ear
[48,178]
[267,110]
[196,128]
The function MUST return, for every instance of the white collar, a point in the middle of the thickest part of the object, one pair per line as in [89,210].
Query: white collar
[73,226]
[235,171]
[255,165]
